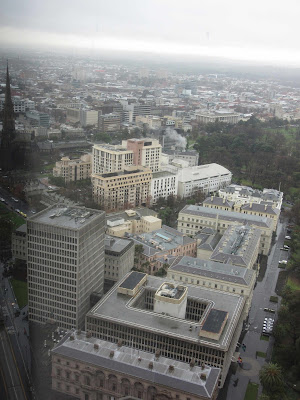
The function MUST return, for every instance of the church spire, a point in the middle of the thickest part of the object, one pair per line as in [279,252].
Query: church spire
[8,132]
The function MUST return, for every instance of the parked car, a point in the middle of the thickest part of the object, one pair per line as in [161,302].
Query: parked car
[283,262]
[288,238]
[286,247]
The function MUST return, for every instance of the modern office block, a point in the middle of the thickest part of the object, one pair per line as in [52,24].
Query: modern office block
[65,263]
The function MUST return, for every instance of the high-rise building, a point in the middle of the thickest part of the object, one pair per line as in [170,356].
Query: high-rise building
[146,152]
[127,188]
[109,158]
[65,263]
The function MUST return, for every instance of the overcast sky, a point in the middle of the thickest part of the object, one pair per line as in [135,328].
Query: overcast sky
[254,30]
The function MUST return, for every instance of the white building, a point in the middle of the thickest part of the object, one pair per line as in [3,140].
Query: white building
[109,158]
[65,263]
[163,184]
[88,117]
[20,105]
[246,195]
[209,178]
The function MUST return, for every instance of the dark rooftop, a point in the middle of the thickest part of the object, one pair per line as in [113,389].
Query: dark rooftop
[132,280]
[214,321]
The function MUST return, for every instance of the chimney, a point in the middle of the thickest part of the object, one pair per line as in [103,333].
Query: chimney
[265,207]
[251,204]
[223,200]
[72,337]
[192,363]
[79,332]
[111,354]
[171,368]
[212,198]
[120,342]
[96,346]
[150,365]
[157,353]
[202,366]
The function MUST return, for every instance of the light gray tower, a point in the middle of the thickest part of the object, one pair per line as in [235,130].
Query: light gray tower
[65,263]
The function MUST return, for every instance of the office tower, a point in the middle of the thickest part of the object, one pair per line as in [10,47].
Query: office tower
[65,263]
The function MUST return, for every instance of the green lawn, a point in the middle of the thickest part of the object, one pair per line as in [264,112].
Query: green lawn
[261,354]
[252,391]
[16,219]
[20,290]
[264,337]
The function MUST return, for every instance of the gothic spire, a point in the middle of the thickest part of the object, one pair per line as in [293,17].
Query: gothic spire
[8,132]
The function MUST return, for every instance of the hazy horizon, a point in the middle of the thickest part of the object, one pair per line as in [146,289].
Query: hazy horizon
[257,33]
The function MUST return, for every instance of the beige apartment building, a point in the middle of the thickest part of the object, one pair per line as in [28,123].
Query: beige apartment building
[192,219]
[146,152]
[136,221]
[73,170]
[109,122]
[109,158]
[123,189]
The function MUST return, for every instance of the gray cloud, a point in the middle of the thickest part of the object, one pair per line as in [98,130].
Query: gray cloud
[236,24]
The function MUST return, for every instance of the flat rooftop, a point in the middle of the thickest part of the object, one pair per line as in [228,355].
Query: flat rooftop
[126,360]
[132,280]
[115,244]
[213,269]
[66,217]
[121,308]
[162,174]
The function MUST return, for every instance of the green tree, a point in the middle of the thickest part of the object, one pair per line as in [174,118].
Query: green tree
[271,378]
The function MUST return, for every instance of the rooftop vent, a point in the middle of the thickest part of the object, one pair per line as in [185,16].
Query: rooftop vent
[157,353]
[96,346]
[88,334]
[120,342]
[150,365]
[72,337]
[171,368]
[192,363]
[203,376]
[111,354]
[79,332]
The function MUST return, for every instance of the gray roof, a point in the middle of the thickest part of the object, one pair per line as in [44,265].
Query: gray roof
[136,364]
[161,240]
[66,217]
[162,174]
[140,212]
[218,201]
[125,310]
[22,228]
[243,219]
[261,207]
[237,245]
[115,244]
[215,270]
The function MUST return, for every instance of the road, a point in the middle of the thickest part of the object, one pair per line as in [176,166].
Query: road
[14,340]
[12,204]
[13,384]
[236,385]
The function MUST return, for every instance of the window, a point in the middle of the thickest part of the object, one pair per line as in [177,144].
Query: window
[86,397]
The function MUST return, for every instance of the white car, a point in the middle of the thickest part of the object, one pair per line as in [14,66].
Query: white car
[288,238]
[286,247]
[283,262]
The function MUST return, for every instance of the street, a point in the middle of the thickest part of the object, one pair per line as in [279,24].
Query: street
[236,385]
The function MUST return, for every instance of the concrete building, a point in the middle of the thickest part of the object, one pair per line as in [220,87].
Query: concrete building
[214,275]
[20,105]
[217,116]
[262,209]
[65,263]
[74,170]
[73,115]
[91,369]
[38,119]
[119,257]
[238,246]
[191,219]
[191,156]
[19,243]
[208,178]
[109,158]
[245,194]
[160,244]
[136,221]
[123,189]
[88,117]
[109,122]
[151,121]
[163,185]
[151,310]
[146,152]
